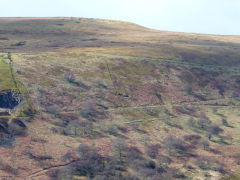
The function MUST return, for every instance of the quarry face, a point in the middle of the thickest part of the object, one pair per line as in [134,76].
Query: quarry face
[9,99]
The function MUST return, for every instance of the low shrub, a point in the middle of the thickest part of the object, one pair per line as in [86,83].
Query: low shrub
[17,128]
[69,76]
[214,130]
[113,130]
[53,109]
[204,144]
[92,113]
[206,163]
[203,121]
[152,150]
[124,160]
[174,145]
[79,128]
[95,166]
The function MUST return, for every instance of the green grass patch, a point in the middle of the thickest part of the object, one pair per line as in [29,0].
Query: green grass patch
[6,81]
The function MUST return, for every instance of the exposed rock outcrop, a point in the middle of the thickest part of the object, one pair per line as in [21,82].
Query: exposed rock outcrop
[9,99]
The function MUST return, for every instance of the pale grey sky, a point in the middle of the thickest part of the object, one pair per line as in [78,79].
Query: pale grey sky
[200,16]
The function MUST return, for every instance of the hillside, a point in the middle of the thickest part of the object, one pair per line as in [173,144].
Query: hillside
[100,99]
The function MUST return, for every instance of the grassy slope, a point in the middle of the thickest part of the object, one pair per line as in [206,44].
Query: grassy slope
[131,83]
[5,77]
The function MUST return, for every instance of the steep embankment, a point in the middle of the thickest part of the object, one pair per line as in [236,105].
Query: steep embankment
[116,100]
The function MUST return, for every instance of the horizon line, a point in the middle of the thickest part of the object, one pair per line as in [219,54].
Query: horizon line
[74,17]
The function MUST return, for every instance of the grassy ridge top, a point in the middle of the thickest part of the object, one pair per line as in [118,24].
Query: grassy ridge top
[24,35]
